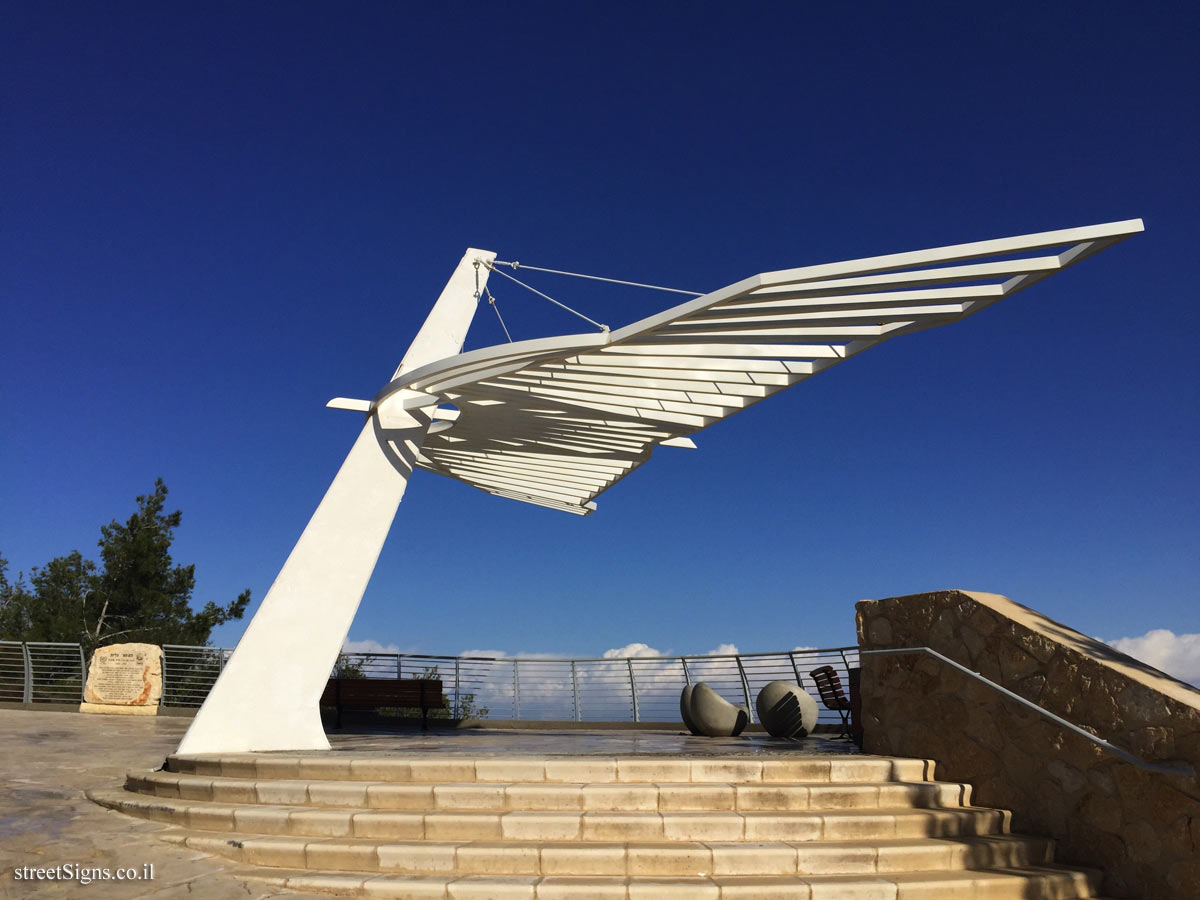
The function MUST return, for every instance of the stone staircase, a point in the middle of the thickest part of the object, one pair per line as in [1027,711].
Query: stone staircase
[790,826]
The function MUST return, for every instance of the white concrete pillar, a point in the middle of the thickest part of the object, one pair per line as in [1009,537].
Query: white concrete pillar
[267,696]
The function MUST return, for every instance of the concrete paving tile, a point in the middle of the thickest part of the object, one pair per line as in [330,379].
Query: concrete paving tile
[497,858]
[398,826]
[400,796]
[543,826]
[574,887]
[673,889]
[321,822]
[696,797]
[410,888]
[463,826]
[422,857]
[469,796]
[616,826]
[832,858]
[752,858]
[577,858]
[277,766]
[286,793]
[493,887]
[761,887]
[668,858]
[581,770]
[611,797]
[654,770]
[528,797]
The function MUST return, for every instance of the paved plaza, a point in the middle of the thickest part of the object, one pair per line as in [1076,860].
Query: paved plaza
[47,761]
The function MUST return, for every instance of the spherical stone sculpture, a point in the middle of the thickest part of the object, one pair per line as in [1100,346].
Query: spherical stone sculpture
[786,710]
[711,714]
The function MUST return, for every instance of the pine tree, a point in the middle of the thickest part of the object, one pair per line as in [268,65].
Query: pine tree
[138,594]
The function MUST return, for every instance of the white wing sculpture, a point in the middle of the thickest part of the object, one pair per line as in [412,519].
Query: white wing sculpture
[558,421]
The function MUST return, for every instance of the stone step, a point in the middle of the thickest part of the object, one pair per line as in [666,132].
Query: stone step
[566,825]
[609,796]
[1023,883]
[440,769]
[637,859]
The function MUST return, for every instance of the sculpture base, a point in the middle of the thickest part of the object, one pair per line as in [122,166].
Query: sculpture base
[112,709]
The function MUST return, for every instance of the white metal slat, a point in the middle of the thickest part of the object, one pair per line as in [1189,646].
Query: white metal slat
[767,332]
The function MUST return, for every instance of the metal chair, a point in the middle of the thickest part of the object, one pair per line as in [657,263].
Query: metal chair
[829,685]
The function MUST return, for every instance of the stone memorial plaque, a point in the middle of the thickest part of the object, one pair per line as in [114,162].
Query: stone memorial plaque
[125,679]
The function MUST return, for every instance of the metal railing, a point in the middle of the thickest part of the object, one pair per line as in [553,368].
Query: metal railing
[1162,768]
[41,672]
[618,689]
[190,672]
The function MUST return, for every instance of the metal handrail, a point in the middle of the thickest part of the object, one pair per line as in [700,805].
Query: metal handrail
[814,651]
[594,689]
[1161,768]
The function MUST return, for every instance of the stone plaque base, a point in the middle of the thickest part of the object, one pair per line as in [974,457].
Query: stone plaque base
[125,680]
[111,709]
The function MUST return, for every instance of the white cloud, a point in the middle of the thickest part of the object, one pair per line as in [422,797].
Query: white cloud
[1176,654]
[645,651]
[499,654]
[801,649]
[635,650]
[723,650]
[368,646]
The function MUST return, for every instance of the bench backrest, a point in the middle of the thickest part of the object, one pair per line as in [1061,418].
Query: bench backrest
[829,685]
[412,693]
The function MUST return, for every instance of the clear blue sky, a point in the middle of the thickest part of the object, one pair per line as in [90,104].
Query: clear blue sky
[218,216]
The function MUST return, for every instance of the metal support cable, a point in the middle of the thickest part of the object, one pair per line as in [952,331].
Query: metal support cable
[573,312]
[653,287]
[496,309]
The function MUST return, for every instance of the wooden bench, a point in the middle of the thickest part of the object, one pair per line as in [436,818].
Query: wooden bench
[379,693]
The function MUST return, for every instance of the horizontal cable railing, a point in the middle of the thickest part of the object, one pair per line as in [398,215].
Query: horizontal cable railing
[56,672]
[14,673]
[616,689]
[190,672]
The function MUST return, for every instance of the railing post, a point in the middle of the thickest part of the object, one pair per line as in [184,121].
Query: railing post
[575,691]
[633,690]
[516,690]
[27,693]
[83,674]
[457,681]
[687,675]
[795,668]
[745,687]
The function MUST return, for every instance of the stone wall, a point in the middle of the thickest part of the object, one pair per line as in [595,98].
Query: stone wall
[1142,829]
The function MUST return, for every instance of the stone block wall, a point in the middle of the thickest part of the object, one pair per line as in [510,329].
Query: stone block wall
[1142,829]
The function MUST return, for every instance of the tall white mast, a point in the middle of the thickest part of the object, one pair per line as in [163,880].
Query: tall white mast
[268,693]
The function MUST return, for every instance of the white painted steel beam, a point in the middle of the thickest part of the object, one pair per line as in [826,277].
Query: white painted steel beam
[267,696]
